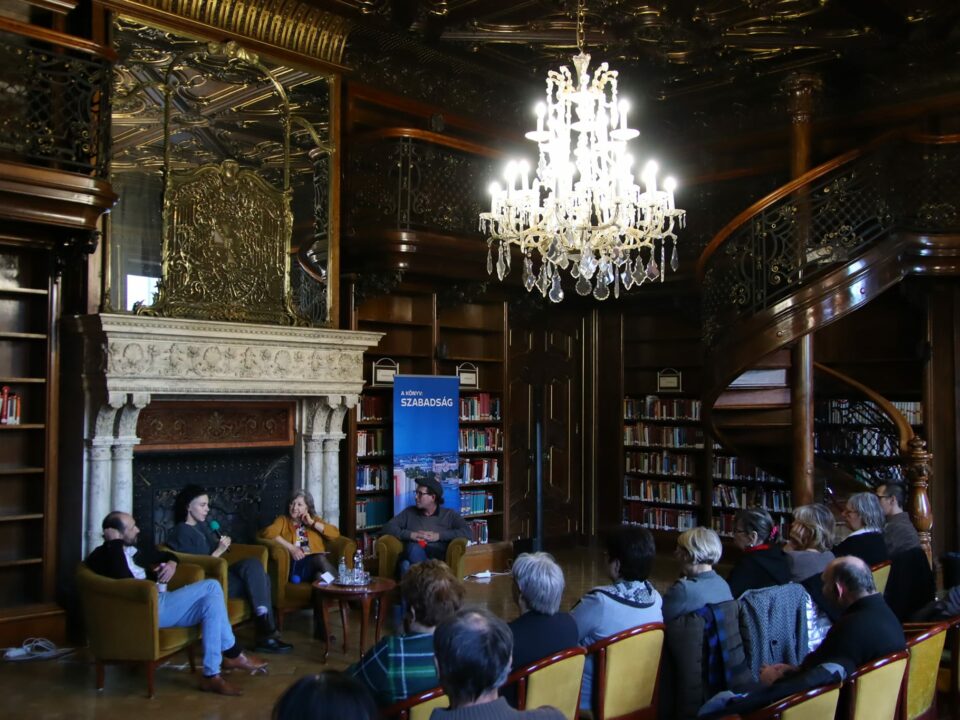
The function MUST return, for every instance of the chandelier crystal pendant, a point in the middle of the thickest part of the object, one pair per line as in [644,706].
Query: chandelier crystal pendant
[583,211]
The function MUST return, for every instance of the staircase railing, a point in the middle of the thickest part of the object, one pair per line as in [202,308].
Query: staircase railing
[889,430]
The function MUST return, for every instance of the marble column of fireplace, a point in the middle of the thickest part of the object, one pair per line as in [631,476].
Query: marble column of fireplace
[130,360]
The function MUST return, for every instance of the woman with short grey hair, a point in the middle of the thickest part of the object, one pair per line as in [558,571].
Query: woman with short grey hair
[698,550]
[864,517]
[540,630]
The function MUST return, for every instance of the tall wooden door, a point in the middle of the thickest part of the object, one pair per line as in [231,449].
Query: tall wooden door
[546,355]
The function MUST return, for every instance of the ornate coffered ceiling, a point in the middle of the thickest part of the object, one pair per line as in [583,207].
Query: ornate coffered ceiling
[681,47]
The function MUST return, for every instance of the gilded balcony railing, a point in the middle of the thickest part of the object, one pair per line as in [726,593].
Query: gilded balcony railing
[54,99]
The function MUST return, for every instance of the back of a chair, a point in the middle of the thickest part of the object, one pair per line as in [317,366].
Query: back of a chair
[120,616]
[417,707]
[626,672]
[817,704]
[553,680]
[926,649]
[881,573]
[875,688]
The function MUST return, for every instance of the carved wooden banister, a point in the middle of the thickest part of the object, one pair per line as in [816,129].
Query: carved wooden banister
[914,456]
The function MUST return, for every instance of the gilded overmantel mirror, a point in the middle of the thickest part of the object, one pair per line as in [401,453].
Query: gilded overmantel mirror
[223,162]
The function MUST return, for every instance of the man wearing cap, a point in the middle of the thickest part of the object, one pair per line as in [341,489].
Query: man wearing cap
[426,528]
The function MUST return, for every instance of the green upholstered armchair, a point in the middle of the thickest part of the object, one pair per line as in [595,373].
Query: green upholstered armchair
[122,625]
[389,548]
[216,568]
[288,596]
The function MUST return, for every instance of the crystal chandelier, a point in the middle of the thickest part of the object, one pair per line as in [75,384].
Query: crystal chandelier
[583,212]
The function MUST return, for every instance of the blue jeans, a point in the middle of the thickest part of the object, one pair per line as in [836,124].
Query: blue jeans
[203,604]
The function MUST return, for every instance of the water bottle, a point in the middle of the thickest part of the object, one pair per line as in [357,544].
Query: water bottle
[358,567]
[342,571]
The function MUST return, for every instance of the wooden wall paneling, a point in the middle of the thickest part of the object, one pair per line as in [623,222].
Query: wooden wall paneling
[607,433]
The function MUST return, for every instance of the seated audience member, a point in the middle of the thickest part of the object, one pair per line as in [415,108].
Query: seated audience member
[866,631]
[865,518]
[330,695]
[898,531]
[473,658]
[245,579]
[540,630]
[699,550]
[811,537]
[763,562]
[199,603]
[402,665]
[301,532]
[630,601]
[426,528]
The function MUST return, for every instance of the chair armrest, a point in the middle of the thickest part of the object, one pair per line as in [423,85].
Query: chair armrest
[214,568]
[388,550]
[239,551]
[455,552]
[120,616]
[186,574]
[278,566]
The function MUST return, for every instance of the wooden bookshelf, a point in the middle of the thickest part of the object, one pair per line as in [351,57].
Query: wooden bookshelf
[427,339]
[28,447]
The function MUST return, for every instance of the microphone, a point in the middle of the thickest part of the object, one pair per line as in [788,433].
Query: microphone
[215,527]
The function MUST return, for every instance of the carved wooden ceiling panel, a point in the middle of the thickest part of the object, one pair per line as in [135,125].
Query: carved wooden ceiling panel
[681,47]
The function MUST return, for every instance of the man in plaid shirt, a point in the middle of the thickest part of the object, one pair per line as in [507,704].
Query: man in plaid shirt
[402,665]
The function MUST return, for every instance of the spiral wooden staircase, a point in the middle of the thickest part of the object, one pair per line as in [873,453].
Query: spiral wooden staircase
[808,254]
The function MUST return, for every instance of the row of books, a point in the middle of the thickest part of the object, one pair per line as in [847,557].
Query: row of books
[371,442]
[736,496]
[660,463]
[373,477]
[839,412]
[373,408]
[479,532]
[723,523]
[10,406]
[482,406]
[656,408]
[641,434]
[481,439]
[473,502]
[661,491]
[480,470]
[658,518]
[367,541]
[734,468]
[373,511]
[868,441]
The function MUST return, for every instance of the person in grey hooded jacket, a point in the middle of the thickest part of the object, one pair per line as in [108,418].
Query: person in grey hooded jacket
[630,601]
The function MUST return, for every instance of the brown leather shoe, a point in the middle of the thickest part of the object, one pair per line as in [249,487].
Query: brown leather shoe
[217,684]
[251,664]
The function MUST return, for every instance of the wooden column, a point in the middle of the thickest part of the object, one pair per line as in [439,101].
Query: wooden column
[800,89]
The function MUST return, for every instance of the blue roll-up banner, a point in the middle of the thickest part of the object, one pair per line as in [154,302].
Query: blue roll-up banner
[426,432]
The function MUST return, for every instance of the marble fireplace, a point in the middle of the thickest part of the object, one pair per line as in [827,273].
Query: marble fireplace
[156,386]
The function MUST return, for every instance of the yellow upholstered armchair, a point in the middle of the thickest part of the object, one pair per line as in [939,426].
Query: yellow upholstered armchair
[216,568]
[121,619]
[288,596]
[389,548]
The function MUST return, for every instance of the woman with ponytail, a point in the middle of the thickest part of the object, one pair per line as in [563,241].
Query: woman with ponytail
[763,562]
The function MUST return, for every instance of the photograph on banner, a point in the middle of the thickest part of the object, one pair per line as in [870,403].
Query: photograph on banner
[426,427]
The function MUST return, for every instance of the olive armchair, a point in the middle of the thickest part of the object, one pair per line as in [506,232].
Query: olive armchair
[389,548]
[217,568]
[288,596]
[122,625]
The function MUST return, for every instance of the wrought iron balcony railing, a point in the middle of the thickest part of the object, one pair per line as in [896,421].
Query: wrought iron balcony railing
[54,99]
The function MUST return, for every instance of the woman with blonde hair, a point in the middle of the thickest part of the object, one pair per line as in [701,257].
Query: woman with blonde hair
[698,550]
[811,538]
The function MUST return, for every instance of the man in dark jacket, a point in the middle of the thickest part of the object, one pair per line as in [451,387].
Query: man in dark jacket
[426,528]
[199,603]
[866,631]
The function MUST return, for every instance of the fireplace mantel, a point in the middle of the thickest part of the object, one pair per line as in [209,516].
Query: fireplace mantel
[130,359]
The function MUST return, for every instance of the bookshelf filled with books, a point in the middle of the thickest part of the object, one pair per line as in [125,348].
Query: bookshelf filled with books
[426,337]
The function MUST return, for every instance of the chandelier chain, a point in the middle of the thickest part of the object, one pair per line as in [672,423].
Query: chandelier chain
[581,12]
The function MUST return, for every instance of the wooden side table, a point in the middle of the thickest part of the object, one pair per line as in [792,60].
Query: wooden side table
[377,589]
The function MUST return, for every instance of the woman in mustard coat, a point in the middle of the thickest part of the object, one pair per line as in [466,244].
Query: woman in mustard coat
[301,532]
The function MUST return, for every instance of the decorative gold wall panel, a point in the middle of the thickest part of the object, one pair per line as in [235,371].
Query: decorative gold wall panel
[287,24]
